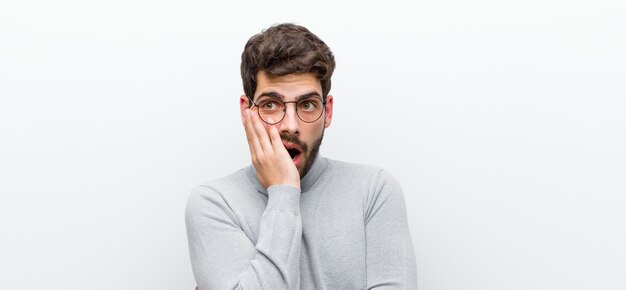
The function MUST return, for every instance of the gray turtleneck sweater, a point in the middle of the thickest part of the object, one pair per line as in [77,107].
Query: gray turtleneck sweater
[346,228]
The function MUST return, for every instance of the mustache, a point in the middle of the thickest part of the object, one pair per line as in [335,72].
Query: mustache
[295,140]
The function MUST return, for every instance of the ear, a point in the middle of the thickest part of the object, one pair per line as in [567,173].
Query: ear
[244,103]
[329,111]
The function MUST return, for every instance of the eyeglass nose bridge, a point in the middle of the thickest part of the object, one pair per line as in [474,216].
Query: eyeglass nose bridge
[295,108]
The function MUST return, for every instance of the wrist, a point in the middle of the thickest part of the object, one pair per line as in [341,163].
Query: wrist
[284,197]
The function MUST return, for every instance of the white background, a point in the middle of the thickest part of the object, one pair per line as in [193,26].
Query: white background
[505,122]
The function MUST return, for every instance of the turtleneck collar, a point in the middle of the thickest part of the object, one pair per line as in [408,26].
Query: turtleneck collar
[320,164]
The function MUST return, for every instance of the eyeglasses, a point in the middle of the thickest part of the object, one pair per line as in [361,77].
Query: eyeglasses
[308,110]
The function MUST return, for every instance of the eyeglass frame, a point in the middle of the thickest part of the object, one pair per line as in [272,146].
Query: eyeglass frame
[285,110]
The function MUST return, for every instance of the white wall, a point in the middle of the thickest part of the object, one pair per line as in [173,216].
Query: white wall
[505,121]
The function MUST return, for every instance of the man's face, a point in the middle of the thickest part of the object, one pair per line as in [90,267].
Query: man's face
[302,139]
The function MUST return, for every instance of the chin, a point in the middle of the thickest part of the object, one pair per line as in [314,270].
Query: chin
[306,161]
[301,167]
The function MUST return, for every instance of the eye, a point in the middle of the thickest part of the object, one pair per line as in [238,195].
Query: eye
[269,105]
[308,105]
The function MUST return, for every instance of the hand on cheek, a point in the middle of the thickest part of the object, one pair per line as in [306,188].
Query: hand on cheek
[270,158]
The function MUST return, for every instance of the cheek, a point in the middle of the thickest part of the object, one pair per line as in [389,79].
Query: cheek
[312,132]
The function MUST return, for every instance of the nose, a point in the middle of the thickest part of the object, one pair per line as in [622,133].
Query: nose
[290,123]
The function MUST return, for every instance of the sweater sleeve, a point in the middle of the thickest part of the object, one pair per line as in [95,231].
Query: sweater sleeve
[223,257]
[390,256]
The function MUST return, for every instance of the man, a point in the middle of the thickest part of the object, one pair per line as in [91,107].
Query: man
[294,219]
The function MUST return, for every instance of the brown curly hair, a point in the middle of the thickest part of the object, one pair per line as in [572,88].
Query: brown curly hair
[285,49]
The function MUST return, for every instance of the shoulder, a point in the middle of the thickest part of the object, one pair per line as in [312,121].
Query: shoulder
[370,174]
[377,186]
[216,193]
[354,168]
[235,180]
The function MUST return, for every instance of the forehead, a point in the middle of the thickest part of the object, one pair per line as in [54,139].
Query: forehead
[290,86]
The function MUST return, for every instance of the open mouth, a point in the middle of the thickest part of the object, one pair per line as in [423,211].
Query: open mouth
[293,152]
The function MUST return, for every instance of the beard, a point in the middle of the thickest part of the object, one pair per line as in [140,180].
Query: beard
[308,153]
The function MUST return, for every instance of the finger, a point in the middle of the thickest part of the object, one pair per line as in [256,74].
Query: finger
[253,141]
[277,142]
[261,133]
[246,124]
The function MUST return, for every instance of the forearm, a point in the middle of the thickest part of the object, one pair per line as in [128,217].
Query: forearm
[276,262]
[223,257]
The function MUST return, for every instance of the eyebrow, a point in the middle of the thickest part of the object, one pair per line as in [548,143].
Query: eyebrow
[279,96]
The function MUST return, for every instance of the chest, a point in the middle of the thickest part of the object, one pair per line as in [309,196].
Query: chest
[333,242]
[333,250]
